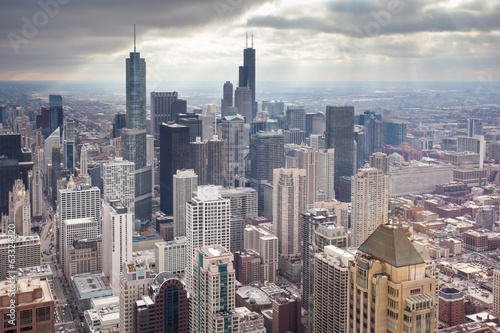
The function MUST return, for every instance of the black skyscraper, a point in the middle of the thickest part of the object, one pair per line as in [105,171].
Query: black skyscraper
[174,155]
[247,74]
[227,99]
[339,135]
[56,113]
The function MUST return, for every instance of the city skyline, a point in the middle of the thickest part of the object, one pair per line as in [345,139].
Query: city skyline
[400,40]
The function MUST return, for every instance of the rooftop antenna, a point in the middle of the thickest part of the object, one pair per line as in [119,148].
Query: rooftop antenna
[252,39]
[134,37]
[246,40]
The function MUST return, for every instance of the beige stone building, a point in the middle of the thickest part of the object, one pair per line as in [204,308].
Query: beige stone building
[391,289]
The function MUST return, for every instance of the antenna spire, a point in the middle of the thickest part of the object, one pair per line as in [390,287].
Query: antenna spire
[246,39]
[252,39]
[134,37]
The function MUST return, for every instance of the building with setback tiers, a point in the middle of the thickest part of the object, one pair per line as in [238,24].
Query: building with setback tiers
[391,289]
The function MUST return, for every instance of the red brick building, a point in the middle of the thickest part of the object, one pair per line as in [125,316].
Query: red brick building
[451,306]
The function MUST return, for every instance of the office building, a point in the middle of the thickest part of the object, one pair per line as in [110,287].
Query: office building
[37,190]
[247,76]
[185,182]
[243,102]
[165,309]
[135,280]
[56,113]
[118,183]
[359,146]
[475,144]
[325,175]
[27,253]
[57,172]
[394,132]
[119,122]
[207,224]
[232,134]
[339,135]
[265,243]
[370,201]
[34,306]
[193,122]
[243,205]
[374,133]
[19,210]
[83,228]
[286,314]
[198,160]
[84,256]
[84,171]
[227,99]
[330,291]
[289,200]
[212,300]
[170,256]
[134,135]
[165,106]
[249,321]
[474,127]
[451,306]
[266,154]
[208,121]
[391,286]
[294,136]
[174,155]
[296,117]
[117,233]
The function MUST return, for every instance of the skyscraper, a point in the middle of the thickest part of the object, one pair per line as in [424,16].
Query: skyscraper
[339,135]
[165,106]
[174,155]
[207,224]
[185,182]
[227,99]
[232,134]
[56,113]
[289,200]
[69,145]
[396,289]
[212,300]
[380,161]
[118,183]
[474,127]
[165,309]
[198,160]
[216,162]
[247,74]
[296,117]
[243,102]
[193,121]
[117,232]
[370,200]
[266,154]
[119,122]
[325,175]
[19,209]
[134,136]
[84,228]
[394,132]
[264,242]
[373,132]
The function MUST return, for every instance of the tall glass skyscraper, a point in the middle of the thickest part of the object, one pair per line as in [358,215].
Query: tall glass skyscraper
[56,113]
[134,135]
[247,75]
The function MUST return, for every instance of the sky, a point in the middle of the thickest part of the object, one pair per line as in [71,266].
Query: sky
[200,40]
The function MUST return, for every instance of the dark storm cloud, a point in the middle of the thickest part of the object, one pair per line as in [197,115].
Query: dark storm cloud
[366,18]
[58,31]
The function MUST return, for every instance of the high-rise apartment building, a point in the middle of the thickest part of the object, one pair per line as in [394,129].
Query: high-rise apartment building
[266,154]
[185,182]
[117,233]
[174,155]
[380,161]
[135,280]
[232,134]
[118,183]
[216,161]
[207,224]
[391,289]
[27,253]
[289,200]
[330,290]
[227,99]
[451,306]
[165,309]
[339,135]
[243,205]
[170,256]
[212,300]
[265,243]
[134,135]
[165,106]
[370,200]
[247,266]
[496,292]
[474,127]
[325,175]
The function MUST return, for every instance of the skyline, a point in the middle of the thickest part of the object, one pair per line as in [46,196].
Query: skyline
[327,40]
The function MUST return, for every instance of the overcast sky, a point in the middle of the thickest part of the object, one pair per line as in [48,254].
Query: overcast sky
[315,40]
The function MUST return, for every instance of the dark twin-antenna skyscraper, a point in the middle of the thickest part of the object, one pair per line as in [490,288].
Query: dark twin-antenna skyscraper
[247,73]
